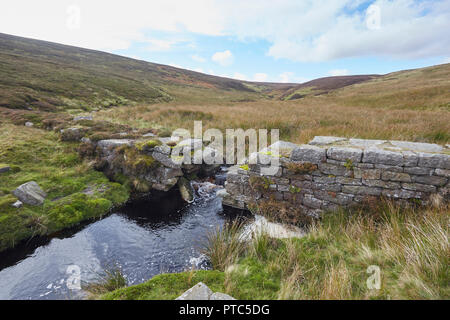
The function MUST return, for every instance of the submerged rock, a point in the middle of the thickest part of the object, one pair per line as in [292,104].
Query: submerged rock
[30,193]
[186,190]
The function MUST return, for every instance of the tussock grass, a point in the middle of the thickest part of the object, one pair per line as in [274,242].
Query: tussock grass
[409,245]
[111,279]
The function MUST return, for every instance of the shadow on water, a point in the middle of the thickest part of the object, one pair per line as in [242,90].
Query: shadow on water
[146,237]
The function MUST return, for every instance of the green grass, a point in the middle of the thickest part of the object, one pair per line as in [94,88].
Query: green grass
[40,156]
[409,245]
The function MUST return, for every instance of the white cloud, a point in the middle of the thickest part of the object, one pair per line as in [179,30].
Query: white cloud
[224,58]
[239,76]
[160,45]
[197,58]
[290,77]
[297,30]
[260,77]
[445,60]
[338,72]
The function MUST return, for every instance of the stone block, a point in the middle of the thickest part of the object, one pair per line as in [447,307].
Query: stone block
[345,154]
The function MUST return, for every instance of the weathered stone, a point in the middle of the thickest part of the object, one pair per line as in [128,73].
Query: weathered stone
[18,204]
[198,292]
[335,170]
[365,143]
[434,160]
[380,156]
[149,135]
[30,193]
[221,296]
[233,188]
[361,190]
[381,184]
[417,146]
[29,124]
[322,179]
[364,165]
[4,168]
[418,187]
[395,176]
[80,118]
[418,170]
[400,193]
[166,160]
[345,154]
[410,159]
[282,188]
[113,143]
[433,180]
[389,168]
[438,172]
[308,153]
[310,201]
[303,184]
[338,198]
[336,162]
[186,190]
[367,173]
[324,140]
[326,186]
[349,181]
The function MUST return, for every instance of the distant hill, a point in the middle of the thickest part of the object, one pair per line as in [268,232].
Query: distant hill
[48,76]
[45,76]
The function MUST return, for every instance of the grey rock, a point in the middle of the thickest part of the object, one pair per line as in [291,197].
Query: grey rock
[349,181]
[166,160]
[4,168]
[331,169]
[186,190]
[400,193]
[324,140]
[417,146]
[149,135]
[381,184]
[80,118]
[29,124]
[310,201]
[345,154]
[221,296]
[308,153]
[338,198]
[113,143]
[380,156]
[198,292]
[358,190]
[389,168]
[371,174]
[365,143]
[438,172]
[395,176]
[419,170]
[433,180]
[30,193]
[434,160]
[18,204]
[410,159]
[418,187]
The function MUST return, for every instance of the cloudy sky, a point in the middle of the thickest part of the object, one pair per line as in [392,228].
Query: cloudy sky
[273,40]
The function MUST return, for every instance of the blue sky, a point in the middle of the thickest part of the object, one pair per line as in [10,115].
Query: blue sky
[280,41]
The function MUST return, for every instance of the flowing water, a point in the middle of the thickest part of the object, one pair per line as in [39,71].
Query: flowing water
[142,239]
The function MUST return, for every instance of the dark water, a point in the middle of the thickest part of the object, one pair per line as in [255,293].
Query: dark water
[143,239]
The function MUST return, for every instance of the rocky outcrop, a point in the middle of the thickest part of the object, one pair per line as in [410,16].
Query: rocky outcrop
[30,193]
[333,172]
[201,292]
[145,164]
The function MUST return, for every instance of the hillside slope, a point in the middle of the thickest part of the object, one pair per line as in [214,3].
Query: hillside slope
[48,76]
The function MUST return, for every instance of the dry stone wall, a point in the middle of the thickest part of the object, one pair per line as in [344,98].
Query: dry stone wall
[331,171]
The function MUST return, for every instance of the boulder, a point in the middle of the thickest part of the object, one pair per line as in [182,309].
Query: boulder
[198,292]
[80,118]
[18,204]
[220,296]
[186,190]
[4,168]
[30,193]
[29,124]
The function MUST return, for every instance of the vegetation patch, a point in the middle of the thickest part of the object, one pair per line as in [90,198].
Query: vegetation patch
[301,167]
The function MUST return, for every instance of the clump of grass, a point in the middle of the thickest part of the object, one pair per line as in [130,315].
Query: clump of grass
[224,246]
[111,279]
[301,167]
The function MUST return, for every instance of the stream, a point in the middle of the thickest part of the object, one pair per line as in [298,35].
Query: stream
[143,239]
